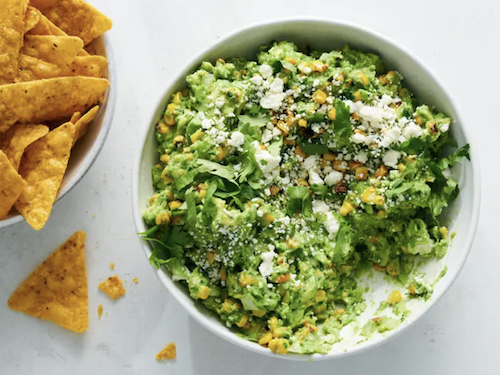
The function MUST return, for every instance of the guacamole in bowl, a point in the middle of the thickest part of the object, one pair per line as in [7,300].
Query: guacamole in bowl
[284,183]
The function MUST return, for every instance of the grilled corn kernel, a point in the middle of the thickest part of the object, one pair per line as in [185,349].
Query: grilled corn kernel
[269,218]
[210,257]
[203,193]
[223,274]
[368,195]
[444,232]
[361,173]
[378,200]
[332,114]
[259,313]
[162,127]
[319,97]
[283,278]
[169,119]
[330,156]
[364,79]
[291,60]
[203,292]
[243,321]
[179,139]
[394,297]
[221,153]
[264,340]
[177,97]
[320,296]
[357,96]
[298,151]
[382,171]
[162,218]
[346,208]
[272,323]
[318,66]
[196,136]
[174,204]
[302,182]
[165,158]
[245,280]
[283,127]
[419,120]
[302,123]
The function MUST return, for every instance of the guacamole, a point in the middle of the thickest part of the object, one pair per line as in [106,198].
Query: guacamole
[281,180]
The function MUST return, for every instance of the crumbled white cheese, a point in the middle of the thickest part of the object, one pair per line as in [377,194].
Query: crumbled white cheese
[331,223]
[320,207]
[316,128]
[361,156]
[333,178]
[362,138]
[265,160]
[237,139]
[315,179]
[392,135]
[273,98]
[266,267]
[412,130]
[256,80]
[206,123]
[391,158]
[310,162]
[265,71]
[307,70]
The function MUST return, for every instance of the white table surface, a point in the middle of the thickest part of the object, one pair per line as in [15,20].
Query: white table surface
[458,39]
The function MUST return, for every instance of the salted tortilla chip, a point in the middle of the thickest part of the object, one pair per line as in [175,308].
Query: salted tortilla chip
[113,287]
[20,137]
[82,124]
[168,353]
[32,69]
[45,27]
[89,66]
[75,17]
[31,19]
[11,36]
[57,289]
[48,99]
[59,50]
[76,116]
[11,185]
[42,166]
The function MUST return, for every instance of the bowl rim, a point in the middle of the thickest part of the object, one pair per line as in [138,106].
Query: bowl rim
[226,333]
[91,156]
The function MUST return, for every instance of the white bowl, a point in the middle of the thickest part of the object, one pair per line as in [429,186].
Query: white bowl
[88,147]
[327,35]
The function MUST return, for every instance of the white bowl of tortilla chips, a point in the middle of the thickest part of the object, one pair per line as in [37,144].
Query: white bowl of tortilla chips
[56,102]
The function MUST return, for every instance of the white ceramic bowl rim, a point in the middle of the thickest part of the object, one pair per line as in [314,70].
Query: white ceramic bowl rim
[92,154]
[226,333]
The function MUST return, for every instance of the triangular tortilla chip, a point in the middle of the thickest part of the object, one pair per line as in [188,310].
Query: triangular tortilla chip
[45,26]
[21,136]
[57,290]
[11,185]
[31,19]
[76,116]
[88,66]
[75,17]
[42,166]
[11,36]
[82,124]
[59,50]
[32,69]
[48,99]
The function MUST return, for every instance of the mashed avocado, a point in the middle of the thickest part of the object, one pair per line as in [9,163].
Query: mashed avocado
[280,180]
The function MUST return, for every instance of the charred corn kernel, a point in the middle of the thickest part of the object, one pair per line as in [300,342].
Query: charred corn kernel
[162,218]
[318,66]
[298,151]
[383,80]
[364,79]
[319,97]
[330,156]
[174,204]
[302,182]
[177,97]
[272,323]
[312,328]
[361,173]
[280,332]
[291,60]
[179,139]
[283,278]
[245,280]
[163,128]
[243,321]
[401,167]
[259,313]
[412,289]
[228,305]
[203,193]
[392,270]
[394,297]
[171,107]
[247,326]
[292,243]
[273,345]
[169,119]
[269,218]
[223,274]
[357,96]
[153,199]
[339,311]
[210,257]
[165,158]
[346,208]
[378,200]
[264,340]
[168,180]
[196,136]
[302,123]
[378,267]
[381,171]
[340,165]
[203,292]
[283,127]
[289,142]
[390,75]
[274,190]
[357,117]
[354,164]
[368,195]
[431,127]
[221,154]
[419,120]
[319,309]
[279,346]
[332,114]
[320,296]
[444,232]
[381,213]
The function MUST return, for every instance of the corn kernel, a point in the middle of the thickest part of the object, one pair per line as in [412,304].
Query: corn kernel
[361,173]
[223,274]
[171,107]
[283,127]
[340,165]
[162,127]
[320,296]
[221,153]
[203,193]
[346,208]
[283,278]
[444,232]
[357,96]
[162,218]
[383,80]
[368,195]
[378,200]
[302,182]
[357,117]
[330,156]
[274,190]
[174,204]
[431,127]
[412,289]
[318,66]
[364,79]
[203,292]
[179,139]
[269,218]
[319,97]
[298,151]
[279,346]
[394,297]
[302,123]
[165,158]
[419,120]
[272,323]
[210,257]
[332,114]
[382,171]
[259,313]
[245,280]
[264,340]
[196,136]
[243,321]
[169,119]
[291,60]
[177,97]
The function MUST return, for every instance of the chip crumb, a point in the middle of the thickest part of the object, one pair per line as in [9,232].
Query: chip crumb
[135,280]
[168,353]
[111,265]
[94,215]
[99,311]
[113,287]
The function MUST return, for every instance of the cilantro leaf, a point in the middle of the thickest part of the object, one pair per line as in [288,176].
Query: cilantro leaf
[299,199]
[191,208]
[313,148]
[342,124]
[224,171]
[450,160]
[253,121]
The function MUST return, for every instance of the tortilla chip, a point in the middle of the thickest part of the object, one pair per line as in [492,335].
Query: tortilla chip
[75,17]
[113,287]
[45,27]
[11,36]
[82,124]
[48,99]
[99,311]
[168,353]
[42,166]
[59,50]
[76,116]
[31,19]
[57,289]
[32,69]
[11,185]
[20,137]
[88,66]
